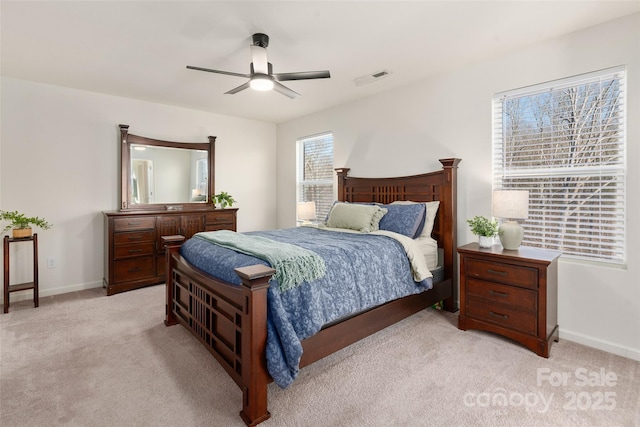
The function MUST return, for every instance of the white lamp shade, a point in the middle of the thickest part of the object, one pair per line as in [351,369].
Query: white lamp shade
[306,211]
[511,204]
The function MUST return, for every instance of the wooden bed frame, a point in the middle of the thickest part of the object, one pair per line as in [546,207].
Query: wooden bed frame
[231,320]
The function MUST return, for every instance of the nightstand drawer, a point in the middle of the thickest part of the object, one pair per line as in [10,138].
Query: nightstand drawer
[503,273]
[501,315]
[134,237]
[501,294]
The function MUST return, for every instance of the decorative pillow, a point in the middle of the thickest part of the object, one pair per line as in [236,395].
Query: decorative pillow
[404,219]
[335,202]
[364,218]
[430,217]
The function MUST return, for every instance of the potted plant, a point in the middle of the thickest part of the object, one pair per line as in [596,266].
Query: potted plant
[223,199]
[486,229]
[21,223]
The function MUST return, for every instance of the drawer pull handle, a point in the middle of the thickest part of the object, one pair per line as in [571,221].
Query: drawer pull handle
[498,294]
[135,251]
[501,316]
[133,223]
[132,239]
[501,273]
[133,270]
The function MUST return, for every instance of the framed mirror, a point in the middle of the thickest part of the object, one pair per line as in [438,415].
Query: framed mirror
[165,175]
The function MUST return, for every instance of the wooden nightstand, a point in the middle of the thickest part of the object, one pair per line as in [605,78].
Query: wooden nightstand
[511,293]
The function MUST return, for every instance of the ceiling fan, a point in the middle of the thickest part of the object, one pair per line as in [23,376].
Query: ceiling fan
[262,76]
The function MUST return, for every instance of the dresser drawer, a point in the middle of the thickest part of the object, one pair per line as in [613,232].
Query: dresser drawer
[216,227]
[134,237]
[134,269]
[137,223]
[500,315]
[503,273]
[125,251]
[501,294]
[221,216]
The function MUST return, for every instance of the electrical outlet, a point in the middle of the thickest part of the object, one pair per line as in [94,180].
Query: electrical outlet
[52,262]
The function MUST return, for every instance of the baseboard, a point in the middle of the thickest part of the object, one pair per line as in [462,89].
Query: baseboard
[28,294]
[609,347]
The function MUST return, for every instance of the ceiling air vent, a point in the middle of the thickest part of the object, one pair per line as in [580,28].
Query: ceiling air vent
[378,75]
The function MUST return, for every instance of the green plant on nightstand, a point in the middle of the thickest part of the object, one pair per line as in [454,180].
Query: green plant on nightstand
[21,224]
[486,229]
[483,226]
[223,199]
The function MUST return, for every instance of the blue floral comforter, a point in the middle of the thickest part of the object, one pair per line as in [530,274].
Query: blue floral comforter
[363,271]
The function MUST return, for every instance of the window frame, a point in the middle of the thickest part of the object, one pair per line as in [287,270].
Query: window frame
[613,252]
[300,182]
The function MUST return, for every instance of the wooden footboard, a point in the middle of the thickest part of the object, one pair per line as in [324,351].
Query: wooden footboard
[231,320]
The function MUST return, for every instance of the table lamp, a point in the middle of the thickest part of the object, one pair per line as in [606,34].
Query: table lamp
[511,205]
[306,212]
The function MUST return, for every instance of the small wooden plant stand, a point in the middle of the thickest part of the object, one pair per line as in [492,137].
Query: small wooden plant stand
[21,286]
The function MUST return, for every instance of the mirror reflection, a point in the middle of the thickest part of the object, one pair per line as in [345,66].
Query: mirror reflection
[167,175]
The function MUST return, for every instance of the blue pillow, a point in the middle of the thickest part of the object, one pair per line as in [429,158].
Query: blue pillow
[404,219]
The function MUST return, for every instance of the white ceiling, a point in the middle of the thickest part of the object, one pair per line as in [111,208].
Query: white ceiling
[139,49]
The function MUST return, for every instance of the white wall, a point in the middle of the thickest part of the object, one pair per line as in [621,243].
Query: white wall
[59,160]
[406,130]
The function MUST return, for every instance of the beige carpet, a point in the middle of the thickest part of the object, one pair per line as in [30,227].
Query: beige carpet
[84,359]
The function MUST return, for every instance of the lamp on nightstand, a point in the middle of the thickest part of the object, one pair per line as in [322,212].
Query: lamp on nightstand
[306,212]
[511,205]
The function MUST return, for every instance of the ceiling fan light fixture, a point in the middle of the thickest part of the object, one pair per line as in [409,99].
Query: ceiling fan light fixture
[261,82]
[261,76]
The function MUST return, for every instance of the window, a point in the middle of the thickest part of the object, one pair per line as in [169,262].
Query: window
[315,172]
[564,142]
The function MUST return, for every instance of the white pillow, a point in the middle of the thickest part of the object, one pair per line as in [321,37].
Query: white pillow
[432,210]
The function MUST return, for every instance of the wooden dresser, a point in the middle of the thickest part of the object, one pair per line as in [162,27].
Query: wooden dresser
[511,293]
[133,254]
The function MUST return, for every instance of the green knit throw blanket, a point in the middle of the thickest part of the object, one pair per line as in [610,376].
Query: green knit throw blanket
[292,263]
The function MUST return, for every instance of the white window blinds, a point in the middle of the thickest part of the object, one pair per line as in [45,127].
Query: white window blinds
[564,141]
[315,172]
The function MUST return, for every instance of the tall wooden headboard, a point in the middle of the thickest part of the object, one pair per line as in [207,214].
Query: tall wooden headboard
[439,185]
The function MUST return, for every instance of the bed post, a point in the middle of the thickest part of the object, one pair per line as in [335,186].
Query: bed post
[171,245]
[449,197]
[342,175]
[255,376]
[212,170]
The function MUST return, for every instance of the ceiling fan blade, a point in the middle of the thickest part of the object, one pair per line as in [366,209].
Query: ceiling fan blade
[302,75]
[259,59]
[278,87]
[228,73]
[238,89]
